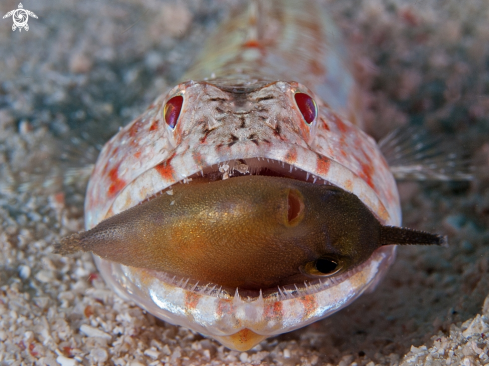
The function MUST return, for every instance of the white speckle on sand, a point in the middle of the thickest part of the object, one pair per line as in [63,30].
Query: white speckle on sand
[24,272]
[99,355]
[44,276]
[65,361]
[475,326]
[153,353]
[94,332]
[243,357]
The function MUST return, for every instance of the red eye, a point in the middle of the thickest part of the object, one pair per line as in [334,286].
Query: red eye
[172,110]
[307,106]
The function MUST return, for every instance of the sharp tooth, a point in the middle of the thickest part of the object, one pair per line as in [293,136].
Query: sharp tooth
[268,161]
[202,173]
[261,295]
[307,175]
[281,294]
[186,283]
[290,170]
[314,179]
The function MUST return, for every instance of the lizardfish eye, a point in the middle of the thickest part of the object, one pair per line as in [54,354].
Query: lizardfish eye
[322,267]
[307,106]
[172,110]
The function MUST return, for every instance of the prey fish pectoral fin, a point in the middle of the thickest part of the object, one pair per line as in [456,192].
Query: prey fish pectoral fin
[249,232]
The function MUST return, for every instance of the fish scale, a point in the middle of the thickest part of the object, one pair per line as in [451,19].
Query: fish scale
[239,105]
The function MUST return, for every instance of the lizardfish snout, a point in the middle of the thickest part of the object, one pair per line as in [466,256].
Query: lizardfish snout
[252,233]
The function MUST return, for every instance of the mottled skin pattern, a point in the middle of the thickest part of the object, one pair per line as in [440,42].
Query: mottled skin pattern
[247,110]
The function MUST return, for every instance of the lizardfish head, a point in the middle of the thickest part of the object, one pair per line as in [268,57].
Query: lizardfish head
[241,211]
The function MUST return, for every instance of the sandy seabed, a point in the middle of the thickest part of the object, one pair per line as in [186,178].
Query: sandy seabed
[85,68]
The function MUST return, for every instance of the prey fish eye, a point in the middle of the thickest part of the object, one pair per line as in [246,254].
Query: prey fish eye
[259,205]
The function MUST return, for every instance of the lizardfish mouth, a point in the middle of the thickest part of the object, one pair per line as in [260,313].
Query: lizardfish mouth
[256,167]
[256,225]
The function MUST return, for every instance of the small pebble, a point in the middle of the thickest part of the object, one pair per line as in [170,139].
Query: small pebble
[94,332]
[99,354]
[24,272]
[65,361]
[243,357]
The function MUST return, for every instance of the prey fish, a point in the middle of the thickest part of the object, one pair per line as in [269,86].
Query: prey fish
[247,201]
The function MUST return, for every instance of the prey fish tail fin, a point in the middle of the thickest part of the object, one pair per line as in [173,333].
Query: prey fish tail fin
[412,154]
[69,245]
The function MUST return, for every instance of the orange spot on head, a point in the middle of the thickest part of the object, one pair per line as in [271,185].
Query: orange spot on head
[366,174]
[198,158]
[316,67]
[349,185]
[322,166]
[154,125]
[135,127]
[340,124]
[252,43]
[383,214]
[291,156]
[116,183]
[165,169]
[325,124]
[137,154]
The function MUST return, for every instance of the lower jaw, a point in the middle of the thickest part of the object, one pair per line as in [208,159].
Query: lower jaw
[239,322]
[243,340]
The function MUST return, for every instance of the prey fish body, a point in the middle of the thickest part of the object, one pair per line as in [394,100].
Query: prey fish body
[272,96]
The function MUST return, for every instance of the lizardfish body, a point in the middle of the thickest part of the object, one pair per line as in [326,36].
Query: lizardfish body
[271,96]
